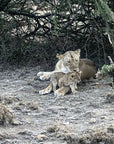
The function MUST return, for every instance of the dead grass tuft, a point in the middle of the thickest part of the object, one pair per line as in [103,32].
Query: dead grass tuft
[6,117]
[28,105]
[95,136]
[61,129]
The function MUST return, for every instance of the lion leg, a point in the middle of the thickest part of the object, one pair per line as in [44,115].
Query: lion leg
[54,86]
[53,80]
[46,90]
[62,91]
[44,75]
[73,88]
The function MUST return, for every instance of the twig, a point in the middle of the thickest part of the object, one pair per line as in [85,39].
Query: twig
[111,61]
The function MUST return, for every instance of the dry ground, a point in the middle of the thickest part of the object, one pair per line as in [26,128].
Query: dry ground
[84,118]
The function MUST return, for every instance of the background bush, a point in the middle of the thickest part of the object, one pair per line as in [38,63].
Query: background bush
[35,30]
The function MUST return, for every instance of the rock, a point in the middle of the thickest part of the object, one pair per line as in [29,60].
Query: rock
[110,129]
[110,97]
[92,120]
[41,137]
[16,122]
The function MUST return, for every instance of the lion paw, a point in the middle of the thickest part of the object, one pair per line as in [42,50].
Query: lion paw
[74,92]
[43,75]
[58,93]
[45,91]
[39,74]
[42,92]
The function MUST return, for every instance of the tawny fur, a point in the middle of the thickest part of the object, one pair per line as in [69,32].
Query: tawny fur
[69,62]
[61,79]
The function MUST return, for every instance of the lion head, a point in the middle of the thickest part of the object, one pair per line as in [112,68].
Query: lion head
[74,76]
[70,59]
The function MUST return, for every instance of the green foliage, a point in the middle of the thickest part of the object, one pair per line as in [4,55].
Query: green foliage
[108,70]
[55,32]
[103,9]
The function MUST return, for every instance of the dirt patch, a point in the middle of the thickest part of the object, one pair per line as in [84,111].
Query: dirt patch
[83,118]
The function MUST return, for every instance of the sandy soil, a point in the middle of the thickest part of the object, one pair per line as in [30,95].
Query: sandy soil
[84,118]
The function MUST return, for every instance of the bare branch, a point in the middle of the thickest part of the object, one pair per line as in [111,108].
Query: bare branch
[24,13]
[110,59]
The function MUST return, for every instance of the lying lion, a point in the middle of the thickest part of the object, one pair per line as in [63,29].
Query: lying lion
[68,62]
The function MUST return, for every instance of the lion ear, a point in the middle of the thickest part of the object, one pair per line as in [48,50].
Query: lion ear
[78,51]
[59,56]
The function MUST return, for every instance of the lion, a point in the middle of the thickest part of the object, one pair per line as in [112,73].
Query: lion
[68,62]
[61,79]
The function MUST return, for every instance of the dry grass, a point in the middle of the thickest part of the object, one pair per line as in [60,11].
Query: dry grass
[95,136]
[6,116]
[61,129]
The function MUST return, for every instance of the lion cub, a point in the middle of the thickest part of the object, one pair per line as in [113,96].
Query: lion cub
[70,79]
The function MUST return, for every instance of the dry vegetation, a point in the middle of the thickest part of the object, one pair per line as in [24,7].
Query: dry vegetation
[6,117]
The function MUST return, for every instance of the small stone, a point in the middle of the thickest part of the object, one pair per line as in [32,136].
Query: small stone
[110,97]
[16,122]
[104,117]
[110,129]
[92,120]
[41,136]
